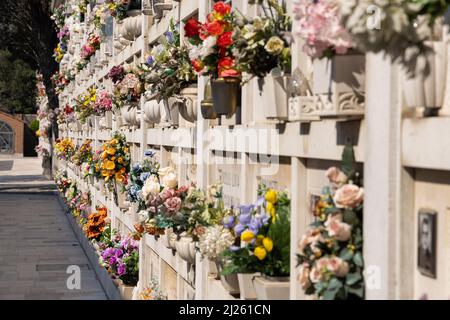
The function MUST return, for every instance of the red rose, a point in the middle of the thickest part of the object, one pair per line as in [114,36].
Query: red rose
[192,28]
[222,8]
[227,68]
[225,40]
[198,65]
[215,28]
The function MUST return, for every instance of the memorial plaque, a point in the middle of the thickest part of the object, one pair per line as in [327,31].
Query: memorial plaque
[427,246]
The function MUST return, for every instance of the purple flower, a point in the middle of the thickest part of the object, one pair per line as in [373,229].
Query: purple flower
[238,229]
[169,36]
[112,260]
[260,201]
[245,218]
[150,60]
[235,248]
[246,209]
[255,224]
[121,269]
[144,176]
[228,222]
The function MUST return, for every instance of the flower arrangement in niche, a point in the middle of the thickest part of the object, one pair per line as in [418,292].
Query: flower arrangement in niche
[103,102]
[119,8]
[262,43]
[66,114]
[168,68]
[61,49]
[96,223]
[64,148]
[83,154]
[212,44]
[88,50]
[330,253]
[400,28]
[319,24]
[85,104]
[263,231]
[114,161]
[128,86]
[139,173]
[152,292]
[121,259]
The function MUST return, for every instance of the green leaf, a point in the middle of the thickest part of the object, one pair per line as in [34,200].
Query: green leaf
[357,290]
[334,284]
[346,255]
[358,259]
[348,160]
[353,278]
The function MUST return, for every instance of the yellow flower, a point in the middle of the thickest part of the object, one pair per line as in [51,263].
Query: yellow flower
[270,208]
[268,244]
[111,151]
[271,196]
[120,160]
[105,173]
[110,165]
[247,236]
[260,253]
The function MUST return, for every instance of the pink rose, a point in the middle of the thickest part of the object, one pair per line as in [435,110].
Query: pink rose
[338,229]
[312,236]
[315,275]
[348,196]
[173,205]
[337,177]
[303,276]
[338,267]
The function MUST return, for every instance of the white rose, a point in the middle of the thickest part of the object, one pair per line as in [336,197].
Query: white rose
[143,216]
[165,171]
[151,186]
[170,180]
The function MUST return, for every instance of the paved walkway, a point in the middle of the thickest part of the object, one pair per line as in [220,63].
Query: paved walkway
[37,243]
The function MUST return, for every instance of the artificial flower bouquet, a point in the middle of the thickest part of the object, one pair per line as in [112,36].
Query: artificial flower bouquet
[88,50]
[330,253]
[168,68]
[62,181]
[64,148]
[85,104]
[66,114]
[212,43]
[139,173]
[262,43]
[263,231]
[152,292]
[80,206]
[114,161]
[103,102]
[121,259]
[128,86]
[96,224]
[83,154]
[319,23]
[119,8]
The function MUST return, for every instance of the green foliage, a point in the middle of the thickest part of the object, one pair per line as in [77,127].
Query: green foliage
[34,125]
[17,85]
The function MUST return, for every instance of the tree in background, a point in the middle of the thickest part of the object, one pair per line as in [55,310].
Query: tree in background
[27,31]
[17,85]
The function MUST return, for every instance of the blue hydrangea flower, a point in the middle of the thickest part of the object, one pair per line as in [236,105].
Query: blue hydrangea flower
[144,176]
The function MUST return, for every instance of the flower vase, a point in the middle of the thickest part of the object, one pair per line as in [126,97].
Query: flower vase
[246,286]
[169,111]
[212,269]
[165,238]
[206,106]
[159,6]
[230,282]
[226,95]
[186,248]
[280,84]
[188,106]
[272,288]
[152,112]
[126,292]
[427,89]
[121,197]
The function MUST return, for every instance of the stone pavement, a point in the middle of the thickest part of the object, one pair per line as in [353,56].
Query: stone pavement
[37,242]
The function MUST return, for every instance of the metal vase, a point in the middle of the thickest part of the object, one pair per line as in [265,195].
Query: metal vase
[226,95]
